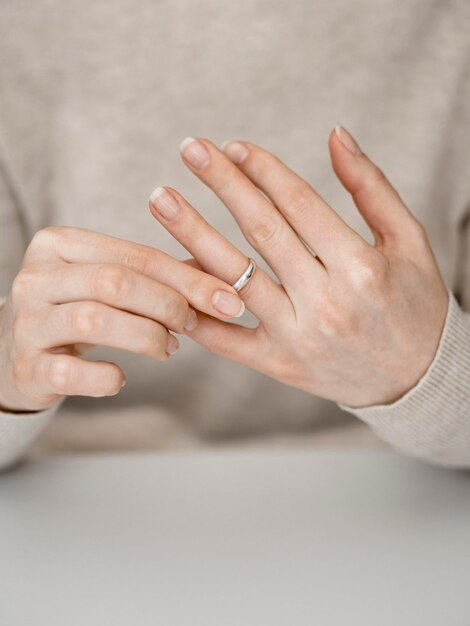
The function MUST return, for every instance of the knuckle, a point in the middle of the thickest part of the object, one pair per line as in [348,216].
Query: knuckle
[335,321]
[59,374]
[378,174]
[42,238]
[176,310]
[371,179]
[22,327]
[154,340]
[298,204]
[19,370]
[142,259]
[367,272]
[112,282]
[201,288]
[47,240]
[225,184]
[221,345]
[85,318]
[264,166]
[22,285]
[418,230]
[265,232]
[45,237]
[23,369]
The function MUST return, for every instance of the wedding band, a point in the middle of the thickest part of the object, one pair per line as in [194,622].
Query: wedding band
[246,276]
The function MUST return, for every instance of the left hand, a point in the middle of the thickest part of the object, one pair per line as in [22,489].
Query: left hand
[357,323]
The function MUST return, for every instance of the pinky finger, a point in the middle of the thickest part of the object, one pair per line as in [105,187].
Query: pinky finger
[67,375]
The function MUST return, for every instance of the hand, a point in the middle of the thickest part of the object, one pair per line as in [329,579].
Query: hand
[358,323]
[77,289]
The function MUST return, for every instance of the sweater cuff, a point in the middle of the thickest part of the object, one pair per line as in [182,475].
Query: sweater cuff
[18,430]
[432,420]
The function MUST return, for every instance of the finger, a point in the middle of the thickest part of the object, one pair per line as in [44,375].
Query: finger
[77,245]
[68,375]
[101,325]
[215,254]
[119,287]
[263,226]
[377,200]
[238,343]
[311,217]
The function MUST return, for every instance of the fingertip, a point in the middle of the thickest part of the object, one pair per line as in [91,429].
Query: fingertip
[194,152]
[185,143]
[347,141]
[346,157]
[172,345]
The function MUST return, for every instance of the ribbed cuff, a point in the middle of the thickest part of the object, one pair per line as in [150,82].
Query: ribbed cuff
[432,420]
[18,431]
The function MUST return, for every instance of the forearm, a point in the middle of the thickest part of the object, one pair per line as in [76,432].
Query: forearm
[432,421]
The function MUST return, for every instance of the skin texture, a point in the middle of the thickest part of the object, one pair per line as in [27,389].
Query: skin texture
[357,323]
[78,289]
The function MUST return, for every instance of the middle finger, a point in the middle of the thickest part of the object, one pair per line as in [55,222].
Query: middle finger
[262,224]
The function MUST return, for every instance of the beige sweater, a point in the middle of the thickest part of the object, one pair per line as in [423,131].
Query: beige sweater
[94,99]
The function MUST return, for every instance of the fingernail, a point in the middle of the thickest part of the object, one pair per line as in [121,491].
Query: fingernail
[347,140]
[191,320]
[228,303]
[172,345]
[194,152]
[164,203]
[235,151]
[124,382]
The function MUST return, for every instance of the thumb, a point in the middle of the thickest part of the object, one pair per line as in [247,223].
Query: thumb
[377,200]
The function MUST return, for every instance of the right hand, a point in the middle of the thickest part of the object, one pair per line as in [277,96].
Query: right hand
[77,289]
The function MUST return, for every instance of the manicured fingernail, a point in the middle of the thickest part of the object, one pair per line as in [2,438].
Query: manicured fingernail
[172,345]
[124,382]
[235,151]
[164,203]
[347,140]
[228,303]
[194,152]
[191,320]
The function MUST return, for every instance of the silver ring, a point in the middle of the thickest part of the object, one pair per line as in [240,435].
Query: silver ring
[246,276]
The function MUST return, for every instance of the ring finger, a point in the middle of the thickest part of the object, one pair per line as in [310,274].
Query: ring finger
[216,255]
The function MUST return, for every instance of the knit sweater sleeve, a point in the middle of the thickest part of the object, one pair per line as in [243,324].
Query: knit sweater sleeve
[17,430]
[432,420]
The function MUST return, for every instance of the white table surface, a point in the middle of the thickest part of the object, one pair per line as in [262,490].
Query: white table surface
[225,538]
